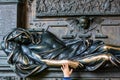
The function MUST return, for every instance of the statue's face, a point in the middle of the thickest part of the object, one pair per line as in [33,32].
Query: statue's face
[84,23]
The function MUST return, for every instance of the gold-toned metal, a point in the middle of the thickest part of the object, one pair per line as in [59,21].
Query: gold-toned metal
[108,47]
[73,64]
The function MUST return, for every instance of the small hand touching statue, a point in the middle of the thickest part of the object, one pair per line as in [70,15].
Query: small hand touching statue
[32,52]
[67,71]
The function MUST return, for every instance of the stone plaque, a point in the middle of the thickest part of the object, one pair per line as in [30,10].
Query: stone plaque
[8,15]
[77,7]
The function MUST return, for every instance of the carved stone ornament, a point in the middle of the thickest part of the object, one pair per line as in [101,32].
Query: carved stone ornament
[77,7]
[30,53]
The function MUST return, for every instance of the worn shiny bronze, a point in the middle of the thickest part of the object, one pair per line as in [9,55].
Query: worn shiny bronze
[31,52]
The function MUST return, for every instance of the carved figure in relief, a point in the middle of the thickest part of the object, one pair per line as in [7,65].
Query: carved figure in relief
[56,6]
[106,5]
[77,7]
[42,6]
[67,5]
[32,52]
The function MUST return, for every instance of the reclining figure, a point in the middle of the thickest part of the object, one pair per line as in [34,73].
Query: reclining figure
[31,52]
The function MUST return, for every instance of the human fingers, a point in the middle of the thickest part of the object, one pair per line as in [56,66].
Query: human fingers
[71,70]
[62,67]
[66,65]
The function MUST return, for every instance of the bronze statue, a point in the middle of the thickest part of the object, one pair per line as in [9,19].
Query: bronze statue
[31,52]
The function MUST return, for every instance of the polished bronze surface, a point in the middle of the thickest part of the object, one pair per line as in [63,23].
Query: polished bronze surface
[31,52]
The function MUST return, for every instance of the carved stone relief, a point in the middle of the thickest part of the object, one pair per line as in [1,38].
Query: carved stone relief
[77,7]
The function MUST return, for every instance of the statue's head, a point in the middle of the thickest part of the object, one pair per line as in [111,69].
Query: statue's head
[84,22]
[19,35]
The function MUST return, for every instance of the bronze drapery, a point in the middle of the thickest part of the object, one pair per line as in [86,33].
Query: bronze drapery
[31,52]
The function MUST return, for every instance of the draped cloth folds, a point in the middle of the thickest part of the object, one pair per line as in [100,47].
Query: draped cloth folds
[25,51]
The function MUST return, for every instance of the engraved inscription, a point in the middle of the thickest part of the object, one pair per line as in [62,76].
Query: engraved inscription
[77,7]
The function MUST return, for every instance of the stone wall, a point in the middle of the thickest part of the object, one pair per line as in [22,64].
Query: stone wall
[8,21]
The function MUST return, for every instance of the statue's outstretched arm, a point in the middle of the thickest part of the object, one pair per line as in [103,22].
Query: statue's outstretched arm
[58,63]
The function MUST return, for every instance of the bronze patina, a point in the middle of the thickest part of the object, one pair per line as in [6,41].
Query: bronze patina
[31,52]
